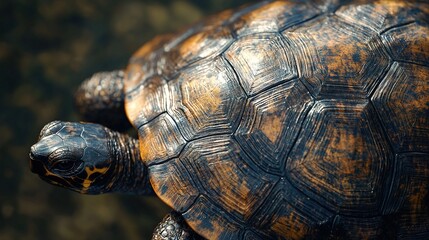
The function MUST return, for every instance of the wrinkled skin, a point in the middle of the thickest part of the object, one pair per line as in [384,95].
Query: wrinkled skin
[88,158]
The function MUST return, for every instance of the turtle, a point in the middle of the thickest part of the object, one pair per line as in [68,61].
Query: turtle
[276,120]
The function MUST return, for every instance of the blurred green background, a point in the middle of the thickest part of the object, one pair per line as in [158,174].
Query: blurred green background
[47,48]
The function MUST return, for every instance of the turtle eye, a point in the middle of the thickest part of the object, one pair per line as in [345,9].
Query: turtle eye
[63,162]
[64,165]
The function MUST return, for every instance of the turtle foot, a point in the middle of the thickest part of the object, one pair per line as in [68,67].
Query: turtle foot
[174,227]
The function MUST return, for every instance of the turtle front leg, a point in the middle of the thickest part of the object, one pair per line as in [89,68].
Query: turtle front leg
[173,226]
[100,99]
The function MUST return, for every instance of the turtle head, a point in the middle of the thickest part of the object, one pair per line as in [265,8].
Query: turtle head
[75,156]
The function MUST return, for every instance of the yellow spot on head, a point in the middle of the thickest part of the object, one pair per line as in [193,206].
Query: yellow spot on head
[89,172]
[87,182]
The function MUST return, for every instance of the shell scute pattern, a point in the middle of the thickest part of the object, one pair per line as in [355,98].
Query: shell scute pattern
[411,192]
[261,61]
[219,170]
[271,123]
[175,183]
[273,17]
[342,153]
[408,43]
[291,213]
[402,102]
[290,119]
[379,16]
[350,71]
[206,99]
[160,140]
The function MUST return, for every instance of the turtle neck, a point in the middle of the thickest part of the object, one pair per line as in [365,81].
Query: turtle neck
[130,174]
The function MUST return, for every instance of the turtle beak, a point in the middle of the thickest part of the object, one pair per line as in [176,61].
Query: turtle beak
[36,152]
[31,154]
[36,165]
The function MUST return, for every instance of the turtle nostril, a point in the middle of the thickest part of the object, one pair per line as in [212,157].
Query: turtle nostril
[31,154]
[36,166]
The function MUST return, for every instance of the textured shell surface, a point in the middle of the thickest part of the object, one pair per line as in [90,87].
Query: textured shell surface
[290,119]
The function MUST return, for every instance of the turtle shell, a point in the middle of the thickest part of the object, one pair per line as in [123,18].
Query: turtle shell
[290,119]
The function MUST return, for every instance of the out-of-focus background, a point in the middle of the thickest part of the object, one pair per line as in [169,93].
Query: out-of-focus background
[47,48]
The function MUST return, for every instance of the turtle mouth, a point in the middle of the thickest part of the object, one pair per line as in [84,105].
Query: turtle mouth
[35,165]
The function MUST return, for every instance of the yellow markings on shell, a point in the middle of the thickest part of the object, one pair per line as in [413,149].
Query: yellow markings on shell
[202,96]
[151,145]
[290,225]
[193,44]
[272,127]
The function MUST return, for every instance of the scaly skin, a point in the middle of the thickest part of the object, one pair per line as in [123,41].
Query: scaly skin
[89,158]
[100,99]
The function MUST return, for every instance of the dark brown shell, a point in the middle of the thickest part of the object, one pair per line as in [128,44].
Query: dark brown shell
[287,119]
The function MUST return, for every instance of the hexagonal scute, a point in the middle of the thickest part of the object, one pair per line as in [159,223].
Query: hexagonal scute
[160,140]
[402,100]
[290,213]
[220,167]
[409,196]
[380,15]
[346,60]
[261,61]
[211,221]
[167,54]
[206,99]
[173,184]
[273,17]
[146,101]
[200,42]
[271,123]
[341,158]
[409,43]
